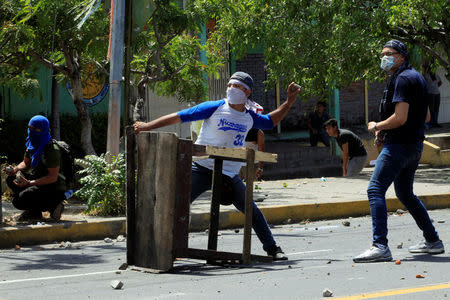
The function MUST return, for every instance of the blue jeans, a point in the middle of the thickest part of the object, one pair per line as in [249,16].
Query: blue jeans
[397,163]
[202,181]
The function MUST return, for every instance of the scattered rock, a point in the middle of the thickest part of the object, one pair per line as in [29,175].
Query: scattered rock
[400,246]
[116,284]
[328,262]
[68,245]
[17,247]
[236,230]
[206,231]
[316,228]
[441,221]
[108,240]
[420,276]
[346,223]
[290,267]
[261,199]
[123,266]
[400,211]
[120,238]
[288,221]
[327,293]
[398,262]
[118,272]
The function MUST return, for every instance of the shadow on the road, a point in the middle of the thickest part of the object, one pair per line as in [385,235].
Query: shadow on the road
[202,269]
[428,258]
[62,259]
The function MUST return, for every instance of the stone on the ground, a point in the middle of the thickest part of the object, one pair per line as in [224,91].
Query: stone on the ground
[108,240]
[327,293]
[116,284]
[346,223]
[400,246]
[120,238]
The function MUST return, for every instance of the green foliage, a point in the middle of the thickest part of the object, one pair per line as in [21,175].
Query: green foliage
[103,184]
[167,52]
[323,44]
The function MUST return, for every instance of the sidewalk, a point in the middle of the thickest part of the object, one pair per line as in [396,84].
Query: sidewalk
[282,201]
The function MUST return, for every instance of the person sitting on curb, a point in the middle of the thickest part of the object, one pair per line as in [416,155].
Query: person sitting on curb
[42,188]
[226,124]
[354,155]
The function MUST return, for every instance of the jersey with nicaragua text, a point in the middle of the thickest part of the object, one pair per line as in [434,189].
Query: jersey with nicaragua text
[224,126]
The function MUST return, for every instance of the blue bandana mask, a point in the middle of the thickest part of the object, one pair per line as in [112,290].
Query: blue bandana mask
[36,141]
[387,62]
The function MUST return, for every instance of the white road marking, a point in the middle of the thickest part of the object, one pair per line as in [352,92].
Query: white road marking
[56,277]
[307,252]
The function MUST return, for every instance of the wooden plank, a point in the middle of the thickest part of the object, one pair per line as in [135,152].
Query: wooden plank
[130,193]
[240,153]
[215,204]
[183,196]
[165,194]
[145,199]
[250,175]
[212,255]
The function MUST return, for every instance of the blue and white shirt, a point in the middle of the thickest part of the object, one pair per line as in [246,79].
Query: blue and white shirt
[224,126]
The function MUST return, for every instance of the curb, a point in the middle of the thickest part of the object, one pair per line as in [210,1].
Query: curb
[94,230]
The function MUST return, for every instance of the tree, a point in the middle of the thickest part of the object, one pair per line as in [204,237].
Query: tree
[167,53]
[324,44]
[54,34]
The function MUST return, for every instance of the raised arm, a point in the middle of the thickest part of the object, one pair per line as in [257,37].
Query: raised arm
[278,114]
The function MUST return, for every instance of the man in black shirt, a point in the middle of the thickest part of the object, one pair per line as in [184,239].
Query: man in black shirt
[315,122]
[354,155]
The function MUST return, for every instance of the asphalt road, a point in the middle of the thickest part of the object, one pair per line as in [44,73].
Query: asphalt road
[320,256]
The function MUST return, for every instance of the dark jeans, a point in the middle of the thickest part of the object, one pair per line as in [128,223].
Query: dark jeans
[397,163]
[202,181]
[321,136]
[434,103]
[35,198]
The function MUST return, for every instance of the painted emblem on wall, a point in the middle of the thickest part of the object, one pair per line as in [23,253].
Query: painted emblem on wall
[95,88]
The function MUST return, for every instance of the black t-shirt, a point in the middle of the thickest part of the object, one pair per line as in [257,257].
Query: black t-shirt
[410,87]
[355,146]
[252,135]
[316,121]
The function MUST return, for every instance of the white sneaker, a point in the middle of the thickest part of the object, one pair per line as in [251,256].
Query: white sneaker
[374,254]
[426,247]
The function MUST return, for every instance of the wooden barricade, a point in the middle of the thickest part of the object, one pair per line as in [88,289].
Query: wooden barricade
[158,203]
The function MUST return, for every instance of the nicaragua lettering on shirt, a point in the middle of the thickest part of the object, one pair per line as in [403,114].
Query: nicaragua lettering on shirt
[223,126]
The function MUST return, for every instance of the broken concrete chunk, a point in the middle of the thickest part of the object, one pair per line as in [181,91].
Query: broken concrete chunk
[116,284]
[327,293]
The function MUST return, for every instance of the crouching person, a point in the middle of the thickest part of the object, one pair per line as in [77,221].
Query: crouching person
[38,186]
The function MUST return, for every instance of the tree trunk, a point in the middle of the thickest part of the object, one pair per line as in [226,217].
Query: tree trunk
[83,115]
[56,132]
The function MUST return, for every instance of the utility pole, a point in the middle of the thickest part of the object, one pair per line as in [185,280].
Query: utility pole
[115,77]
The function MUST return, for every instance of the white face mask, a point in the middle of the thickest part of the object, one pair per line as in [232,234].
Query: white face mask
[236,96]
[387,62]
